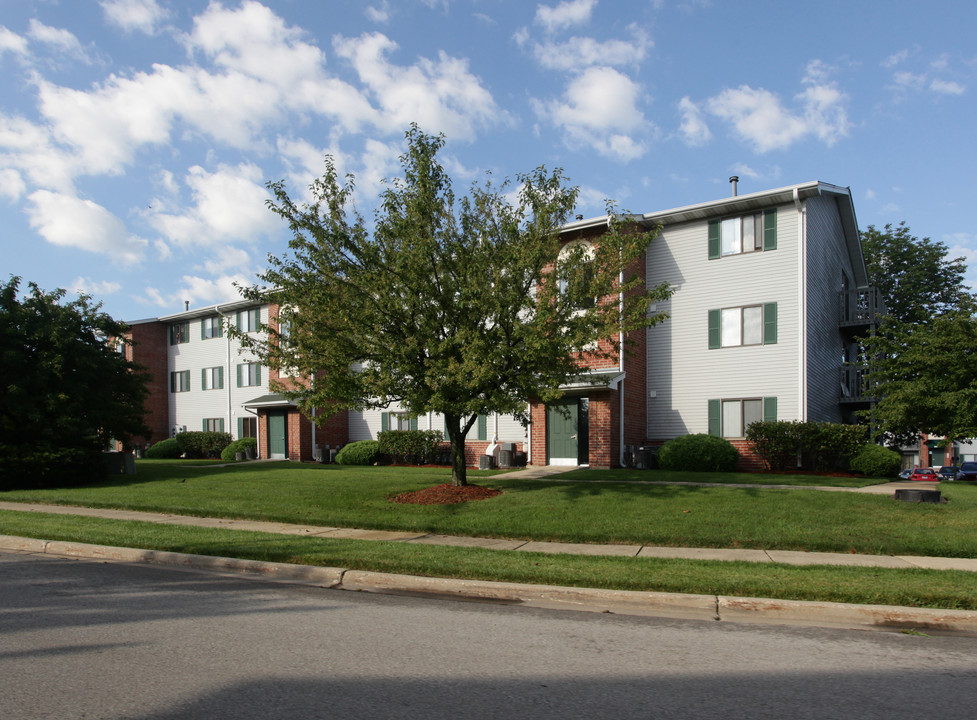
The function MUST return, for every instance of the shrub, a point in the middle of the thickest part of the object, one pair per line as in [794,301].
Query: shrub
[27,467]
[831,446]
[364,452]
[876,461]
[165,449]
[229,454]
[777,443]
[698,452]
[203,443]
[410,446]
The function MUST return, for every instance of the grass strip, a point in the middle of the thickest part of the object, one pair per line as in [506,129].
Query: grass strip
[903,587]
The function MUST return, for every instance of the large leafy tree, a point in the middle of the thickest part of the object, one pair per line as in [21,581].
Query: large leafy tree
[460,307]
[65,390]
[915,276]
[921,356]
[926,375]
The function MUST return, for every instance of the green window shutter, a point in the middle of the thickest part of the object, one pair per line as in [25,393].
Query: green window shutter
[220,377]
[447,433]
[482,427]
[715,338]
[770,229]
[384,422]
[172,382]
[220,425]
[715,424]
[769,409]
[240,428]
[186,377]
[238,319]
[203,378]
[205,425]
[413,422]
[770,324]
[257,374]
[238,367]
[203,331]
[714,251]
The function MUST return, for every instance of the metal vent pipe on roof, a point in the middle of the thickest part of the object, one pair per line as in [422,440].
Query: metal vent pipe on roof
[732,181]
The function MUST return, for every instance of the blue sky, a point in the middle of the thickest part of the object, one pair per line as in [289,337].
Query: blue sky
[136,136]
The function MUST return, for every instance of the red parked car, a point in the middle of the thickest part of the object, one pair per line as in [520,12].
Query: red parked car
[925,475]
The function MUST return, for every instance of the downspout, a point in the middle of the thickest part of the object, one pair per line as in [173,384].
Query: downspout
[801,306]
[230,407]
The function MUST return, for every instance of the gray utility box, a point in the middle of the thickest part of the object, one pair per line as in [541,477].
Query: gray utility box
[507,453]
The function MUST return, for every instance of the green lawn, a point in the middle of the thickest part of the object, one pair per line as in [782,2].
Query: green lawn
[607,506]
[917,588]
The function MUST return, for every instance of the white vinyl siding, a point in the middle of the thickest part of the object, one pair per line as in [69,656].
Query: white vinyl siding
[682,374]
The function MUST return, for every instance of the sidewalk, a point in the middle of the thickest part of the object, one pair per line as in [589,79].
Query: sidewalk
[652,604]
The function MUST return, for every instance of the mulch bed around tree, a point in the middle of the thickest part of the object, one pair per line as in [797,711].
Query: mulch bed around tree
[446,494]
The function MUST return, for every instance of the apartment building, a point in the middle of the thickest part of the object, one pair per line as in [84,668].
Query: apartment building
[770,293]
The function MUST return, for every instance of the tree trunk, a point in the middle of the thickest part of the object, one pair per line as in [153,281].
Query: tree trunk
[459,471]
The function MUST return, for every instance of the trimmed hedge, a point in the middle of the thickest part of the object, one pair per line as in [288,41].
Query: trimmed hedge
[203,443]
[701,452]
[364,452]
[821,446]
[42,466]
[877,461]
[415,447]
[165,450]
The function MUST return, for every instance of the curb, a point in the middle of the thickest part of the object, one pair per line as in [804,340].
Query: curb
[621,602]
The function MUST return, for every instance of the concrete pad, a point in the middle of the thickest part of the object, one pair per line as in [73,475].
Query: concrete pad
[795,557]
[556,548]
[704,554]
[825,614]
[672,605]
[457,541]
[941,563]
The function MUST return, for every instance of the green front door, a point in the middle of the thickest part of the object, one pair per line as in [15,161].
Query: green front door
[277,447]
[561,431]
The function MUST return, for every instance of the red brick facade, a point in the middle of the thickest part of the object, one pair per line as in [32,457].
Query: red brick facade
[149,347]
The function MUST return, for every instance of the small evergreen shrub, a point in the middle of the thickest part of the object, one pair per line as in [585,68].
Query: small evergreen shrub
[415,447]
[876,461]
[165,449]
[698,452]
[203,443]
[777,442]
[364,452]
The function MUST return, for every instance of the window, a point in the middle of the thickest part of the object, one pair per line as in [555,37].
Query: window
[248,374]
[731,418]
[180,381]
[179,333]
[577,272]
[247,427]
[744,234]
[397,421]
[213,424]
[748,325]
[248,320]
[211,327]
[212,378]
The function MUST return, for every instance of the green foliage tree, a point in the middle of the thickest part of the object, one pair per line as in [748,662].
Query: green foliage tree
[457,307]
[65,391]
[915,276]
[925,376]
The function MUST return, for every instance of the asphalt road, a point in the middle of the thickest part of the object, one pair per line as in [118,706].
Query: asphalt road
[87,639]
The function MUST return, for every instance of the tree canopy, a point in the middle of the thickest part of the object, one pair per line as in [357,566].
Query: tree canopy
[915,276]
[458,307]
[65,389]
[921,357]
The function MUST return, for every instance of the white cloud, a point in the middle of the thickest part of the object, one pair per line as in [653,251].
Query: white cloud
[57,38]
[440,96]
[564,15]
[12,42]
[899,57]
[964,245]
[87,286]
[759,117]
[12,184]
[581,52]
[693,129]
[229,206]
[229,258]
[600,111]
[131,15]
[379,14]
[205,291]
[742,170]
[73,222]
[947,87]
[910,81]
